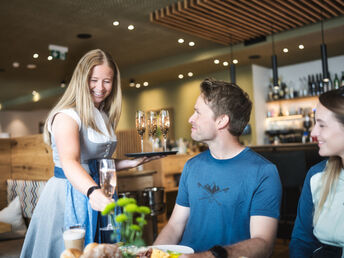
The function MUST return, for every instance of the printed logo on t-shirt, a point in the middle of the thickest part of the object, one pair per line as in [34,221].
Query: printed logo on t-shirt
[211,192]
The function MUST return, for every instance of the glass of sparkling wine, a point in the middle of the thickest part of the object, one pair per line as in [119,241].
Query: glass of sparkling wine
[164,123]
[108,181]
[140,122]
[152,124]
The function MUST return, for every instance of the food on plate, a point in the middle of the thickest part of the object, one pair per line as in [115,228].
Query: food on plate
[157,253]
[71,253]
[94,250]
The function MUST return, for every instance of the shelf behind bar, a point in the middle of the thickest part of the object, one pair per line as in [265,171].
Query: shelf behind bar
[306,98]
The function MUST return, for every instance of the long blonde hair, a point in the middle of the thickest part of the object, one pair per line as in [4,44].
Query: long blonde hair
[333,101]
[78,94]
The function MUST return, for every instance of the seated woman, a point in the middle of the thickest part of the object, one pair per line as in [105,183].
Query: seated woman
[319,226]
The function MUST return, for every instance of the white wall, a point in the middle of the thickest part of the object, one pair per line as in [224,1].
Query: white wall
[260,80]
[21,123]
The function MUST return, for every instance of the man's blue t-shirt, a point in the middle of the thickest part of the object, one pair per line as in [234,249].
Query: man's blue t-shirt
[223,194]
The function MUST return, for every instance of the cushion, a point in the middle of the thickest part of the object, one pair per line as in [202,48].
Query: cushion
[12,215]
[28,192]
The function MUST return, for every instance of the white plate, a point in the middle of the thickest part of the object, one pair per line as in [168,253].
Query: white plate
[175,248]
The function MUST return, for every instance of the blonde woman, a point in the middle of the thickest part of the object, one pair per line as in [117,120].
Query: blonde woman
[319,226]
[80,129]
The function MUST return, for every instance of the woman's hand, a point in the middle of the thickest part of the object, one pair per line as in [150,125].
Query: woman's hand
[98,200]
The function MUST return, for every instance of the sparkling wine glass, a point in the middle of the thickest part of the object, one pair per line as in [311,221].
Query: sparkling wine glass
[152,126]
[141,125]
[164,123]
[108,181]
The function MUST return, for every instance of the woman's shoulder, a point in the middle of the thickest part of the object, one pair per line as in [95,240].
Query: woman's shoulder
[319,167]
[71,112]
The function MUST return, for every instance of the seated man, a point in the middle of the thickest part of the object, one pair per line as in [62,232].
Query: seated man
[229,196]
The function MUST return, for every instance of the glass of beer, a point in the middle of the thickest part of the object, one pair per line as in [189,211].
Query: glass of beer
[74,237]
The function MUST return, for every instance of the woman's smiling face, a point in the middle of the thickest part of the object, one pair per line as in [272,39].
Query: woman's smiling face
[100,83]
[329,133]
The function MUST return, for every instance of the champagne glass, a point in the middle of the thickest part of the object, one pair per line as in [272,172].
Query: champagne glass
[152,125]
[164,123]
[141,125]
[108,181]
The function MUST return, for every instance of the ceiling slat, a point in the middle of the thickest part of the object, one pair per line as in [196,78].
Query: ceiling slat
[333,13]
[237,16]
[277,15]
[207,17]
[240,20]
[219,14]
[334,6]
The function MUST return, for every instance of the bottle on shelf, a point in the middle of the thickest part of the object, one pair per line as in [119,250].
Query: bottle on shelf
[342,80]
[314,86]
[328,84]
[336,83]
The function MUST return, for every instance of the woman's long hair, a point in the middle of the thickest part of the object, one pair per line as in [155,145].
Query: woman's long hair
[333,101]
[78,94]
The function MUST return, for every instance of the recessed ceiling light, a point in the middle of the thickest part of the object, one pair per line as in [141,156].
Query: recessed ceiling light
[115,23]
[131,27]
[35,55]
[15,64]
[225,63]
[132,83]
[301,46]
[145,84]
[216,61]
[285,50]
[138,85]
[191,43]
[235,61]
[63,84]
[31,66]
[35,96]
[50,58]
[84,35]
[180,41]
[190,74]
[180,76]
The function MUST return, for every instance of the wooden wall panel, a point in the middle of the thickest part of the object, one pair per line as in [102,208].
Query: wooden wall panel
[128,141]
[31,158]
[5,169]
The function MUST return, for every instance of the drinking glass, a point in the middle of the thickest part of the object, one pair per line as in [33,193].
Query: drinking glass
[152,125]
[164,123]
[141,125]
[108,181]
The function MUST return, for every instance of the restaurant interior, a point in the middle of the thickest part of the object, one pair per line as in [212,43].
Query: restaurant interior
[164,49]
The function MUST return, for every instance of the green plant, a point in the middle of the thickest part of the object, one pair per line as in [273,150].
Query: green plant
[131,220]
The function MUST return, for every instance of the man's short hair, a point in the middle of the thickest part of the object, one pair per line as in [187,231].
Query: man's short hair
[228,99]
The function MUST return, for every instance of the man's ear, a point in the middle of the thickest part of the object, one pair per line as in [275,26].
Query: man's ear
[222,121]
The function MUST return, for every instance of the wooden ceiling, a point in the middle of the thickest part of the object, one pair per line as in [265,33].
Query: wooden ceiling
[235,21]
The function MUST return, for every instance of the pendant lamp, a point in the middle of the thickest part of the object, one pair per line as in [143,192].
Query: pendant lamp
[323,50]
[232,65]
[274,63]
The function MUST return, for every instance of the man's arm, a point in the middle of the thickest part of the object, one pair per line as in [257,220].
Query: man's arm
[263,233]
[172,232]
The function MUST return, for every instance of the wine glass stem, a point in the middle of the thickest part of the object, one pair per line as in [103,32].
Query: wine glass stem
[141,143]
[152,139]
[164,143]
